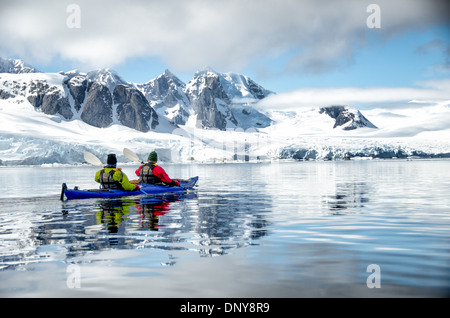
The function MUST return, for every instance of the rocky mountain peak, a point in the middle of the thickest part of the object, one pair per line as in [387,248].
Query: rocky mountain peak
[204,70]
[101,98]
[15,66]
[347,118]
[168,74]
[106,77]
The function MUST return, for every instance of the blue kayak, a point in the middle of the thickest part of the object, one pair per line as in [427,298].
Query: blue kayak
[146,188]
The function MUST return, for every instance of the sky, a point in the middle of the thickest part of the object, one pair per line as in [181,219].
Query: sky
[324,50]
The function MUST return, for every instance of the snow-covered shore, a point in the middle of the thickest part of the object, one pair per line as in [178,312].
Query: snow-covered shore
[30,137]
[261,125]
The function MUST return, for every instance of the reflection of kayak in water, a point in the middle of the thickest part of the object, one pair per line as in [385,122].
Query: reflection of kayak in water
[113,212]
[72,194]
[150,208]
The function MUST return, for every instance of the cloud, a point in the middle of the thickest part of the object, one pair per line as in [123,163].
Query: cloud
[188,34]
[436,45]
[429,91]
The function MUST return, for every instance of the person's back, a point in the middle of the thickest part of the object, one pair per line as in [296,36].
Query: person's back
[146,174]
[154,174]
[111,177]
[106,177]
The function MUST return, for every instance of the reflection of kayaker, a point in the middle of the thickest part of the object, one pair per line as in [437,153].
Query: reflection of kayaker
[154,174]
[112,214]
[151,212]
[110,177]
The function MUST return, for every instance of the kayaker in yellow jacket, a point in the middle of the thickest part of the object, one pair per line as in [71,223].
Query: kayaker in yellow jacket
[111,177]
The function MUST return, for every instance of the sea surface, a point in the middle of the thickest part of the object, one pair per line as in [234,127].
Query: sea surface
[367,228]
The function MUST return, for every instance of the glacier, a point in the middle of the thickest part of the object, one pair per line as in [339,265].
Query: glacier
[28,137]
[248,132]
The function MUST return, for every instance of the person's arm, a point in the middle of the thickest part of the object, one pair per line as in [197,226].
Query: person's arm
[97,176]
[161,174]
[138,171]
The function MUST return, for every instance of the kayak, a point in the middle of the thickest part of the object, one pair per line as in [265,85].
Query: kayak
[146,188]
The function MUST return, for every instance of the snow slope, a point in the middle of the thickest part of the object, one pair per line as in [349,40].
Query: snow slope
[30,137]
[415,131]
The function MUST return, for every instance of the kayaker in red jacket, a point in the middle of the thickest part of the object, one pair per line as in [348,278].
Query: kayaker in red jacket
[154,174]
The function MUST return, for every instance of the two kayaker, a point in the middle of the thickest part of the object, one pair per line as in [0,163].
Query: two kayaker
[111,177]
[150,172]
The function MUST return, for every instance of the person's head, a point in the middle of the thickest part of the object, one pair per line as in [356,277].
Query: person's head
[153,156]
[112,160]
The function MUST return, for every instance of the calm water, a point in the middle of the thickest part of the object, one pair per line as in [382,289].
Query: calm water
[288,229]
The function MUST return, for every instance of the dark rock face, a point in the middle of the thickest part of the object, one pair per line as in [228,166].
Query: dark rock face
[97,110]
[347,118]
[210,96]
[256,90]
[49,100]
[91,100]
[78,86]
[37,89]
[209,101]
[207,112]
[55,104]
[166,89]
[101,97]
[133,110]
[166,93]
[4,94]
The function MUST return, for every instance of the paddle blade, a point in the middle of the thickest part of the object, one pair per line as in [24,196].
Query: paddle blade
[92,159]
[131,155]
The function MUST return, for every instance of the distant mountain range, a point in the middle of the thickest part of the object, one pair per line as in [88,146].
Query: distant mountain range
[53,118]
[210,100]
[15,66]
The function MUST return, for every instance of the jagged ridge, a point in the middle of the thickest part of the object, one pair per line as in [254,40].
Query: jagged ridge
[211,100]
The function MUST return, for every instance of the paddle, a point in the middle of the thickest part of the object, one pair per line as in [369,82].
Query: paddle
[131,155]
[92,159]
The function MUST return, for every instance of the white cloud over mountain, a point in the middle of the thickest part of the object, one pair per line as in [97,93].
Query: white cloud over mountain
[430,91]
[189,34]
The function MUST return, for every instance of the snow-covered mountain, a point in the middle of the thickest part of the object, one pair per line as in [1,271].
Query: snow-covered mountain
[55,117]
[346,118]
[101,98]
[210,100]
[166,95]
[225,100]
[98,98]
[15,66]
